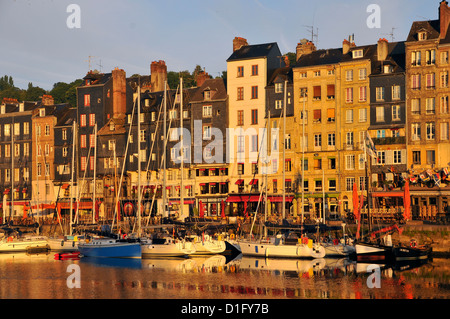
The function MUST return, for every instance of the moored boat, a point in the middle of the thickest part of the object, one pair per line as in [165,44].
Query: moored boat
[66,243]
[166,247]
[110,248]
[206,245]
[411,252]
[23,244]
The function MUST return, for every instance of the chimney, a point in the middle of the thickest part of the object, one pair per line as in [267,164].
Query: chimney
[444,18]
[305,47]
[158,75]
[119,92]
[48,100]
[239,43]
[347,44]
[382,49]
[201,78]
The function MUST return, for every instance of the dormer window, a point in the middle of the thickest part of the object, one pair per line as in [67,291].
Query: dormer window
[207,95]
[3,108]
[388,69]
[111,126]
[41,112]
[21,107]
[357,54]
[422,36]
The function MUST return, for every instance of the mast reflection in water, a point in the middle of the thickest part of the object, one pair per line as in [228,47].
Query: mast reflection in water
[218,277]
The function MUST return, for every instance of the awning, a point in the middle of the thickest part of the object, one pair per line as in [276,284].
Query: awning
[243,198]
[387,194]
[239,182]
[65,186]
[186,201]
[253,182]
[279,199]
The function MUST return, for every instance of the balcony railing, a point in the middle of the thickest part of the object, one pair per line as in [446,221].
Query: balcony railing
[389,140]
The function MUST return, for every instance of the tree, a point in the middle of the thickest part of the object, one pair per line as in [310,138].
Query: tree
[59,92]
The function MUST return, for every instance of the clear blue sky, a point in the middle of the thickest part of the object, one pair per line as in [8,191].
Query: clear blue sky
[37,46]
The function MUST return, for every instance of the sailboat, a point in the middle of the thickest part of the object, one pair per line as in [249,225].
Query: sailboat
[162,244]
[114,246]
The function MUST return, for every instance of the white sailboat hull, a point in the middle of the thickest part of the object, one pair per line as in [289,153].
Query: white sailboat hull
[23,244]
[57,244]
[172,249]
[208,246]
[259,249]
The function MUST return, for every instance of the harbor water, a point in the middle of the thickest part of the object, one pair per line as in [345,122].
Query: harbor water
[41,276]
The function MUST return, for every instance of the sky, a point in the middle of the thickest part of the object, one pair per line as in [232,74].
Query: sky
[38,45]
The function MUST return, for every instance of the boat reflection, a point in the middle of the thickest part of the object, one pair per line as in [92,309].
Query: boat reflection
[132,263]
[214,263]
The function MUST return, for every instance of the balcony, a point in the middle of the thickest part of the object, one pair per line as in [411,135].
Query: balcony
[389,140]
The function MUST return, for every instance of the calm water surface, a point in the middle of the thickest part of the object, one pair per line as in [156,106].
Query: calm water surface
[40,276]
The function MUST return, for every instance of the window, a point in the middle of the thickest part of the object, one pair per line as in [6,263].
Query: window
[240,71]
[240,93]
[254,117]
[380,114]
[255,69]
[349,181]
[430,81]
[47,169]
[421,36]
[83,120]
[349,95]
[83,141]
[26,149]
[92,140]
[317,93]
[278,104]
[46,149]
[357,54]
[317,73]
[306,186]
[254,92]
[17,129]
[444,57]
[240,118]
[430,105]
[318,185]
[361,161]
[142,136]
[331,115]
[397,157]
[431,157]
[444,104]
[331,139]
[303,94]
[332,163]
[415,106]
[330,92]
[381,157]
[415,58]
[7,129]
[87,100]
[381,133]
[380,93]
[91,163]
[331,184]
[240,169]
[362,93]
[64,134]
[349,75]
[317,140]
[430,56]
[415,81]
[362,115]
[430,126]
[349,116]
[444,79]
[92,119]
[173,114]
[64,151]
[305,164]
[111,145]
[317,116]
[362,183]
[415,131]
[278,87]
[207,110]
[444,131]
[396,112]
[349,138]
[350,162]
[26,128]
[396,92]
[287,142]
[254,139]
[362,74]
[416,157]
[16,149]
[241,144]
[287,165]
[317,163]
[83,163]
[206,132]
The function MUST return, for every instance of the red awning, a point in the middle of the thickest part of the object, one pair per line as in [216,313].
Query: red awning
[239,182]
[279,199]
[65,186]
[253,182]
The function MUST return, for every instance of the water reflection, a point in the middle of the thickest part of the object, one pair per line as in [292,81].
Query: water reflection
[132,263]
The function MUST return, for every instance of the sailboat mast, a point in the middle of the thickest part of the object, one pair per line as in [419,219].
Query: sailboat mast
[164,193]
[12,171]
[71,178]
[284,149]
[182,151]
[95,173]
[303,159]
[139,159]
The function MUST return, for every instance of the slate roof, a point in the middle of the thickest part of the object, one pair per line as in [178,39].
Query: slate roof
[432,28]
[253,51]
[285,73]
[217,86]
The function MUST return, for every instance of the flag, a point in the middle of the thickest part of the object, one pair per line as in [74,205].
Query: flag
[413,179]
[424,178]
[446,172]
[437,179]
[369,146]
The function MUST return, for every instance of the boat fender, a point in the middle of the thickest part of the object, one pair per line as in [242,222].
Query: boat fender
[62,243]
[413,244]
[335,241]
[232,236]
[10,239]
[305,240]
